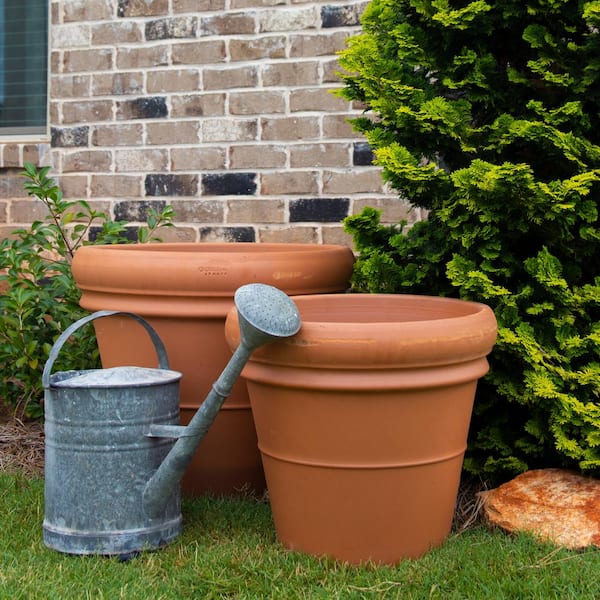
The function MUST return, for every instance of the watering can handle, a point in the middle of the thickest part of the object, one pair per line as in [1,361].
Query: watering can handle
[163,361]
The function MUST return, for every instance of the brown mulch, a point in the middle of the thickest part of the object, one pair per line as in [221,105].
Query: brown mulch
[469,505]
[21,445]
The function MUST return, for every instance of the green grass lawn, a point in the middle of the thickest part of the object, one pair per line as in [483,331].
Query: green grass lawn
[229,550]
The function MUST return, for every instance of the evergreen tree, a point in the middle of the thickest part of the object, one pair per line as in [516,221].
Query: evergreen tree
[487,114]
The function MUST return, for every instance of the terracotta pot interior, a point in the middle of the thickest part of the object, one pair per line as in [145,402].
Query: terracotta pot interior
[227,248]
[359,308]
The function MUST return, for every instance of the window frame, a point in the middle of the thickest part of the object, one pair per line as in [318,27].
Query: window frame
[34,133]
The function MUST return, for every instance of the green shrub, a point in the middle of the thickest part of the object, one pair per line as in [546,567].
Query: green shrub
[487,114]
[42,299]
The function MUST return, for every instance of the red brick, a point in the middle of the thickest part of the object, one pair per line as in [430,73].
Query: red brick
[70,36]
[257,156]
[113,33]
[182,6]
[141,159]
[117,84]
[353,181]
[332,72]
[11,185]
[393,209]
[335,234]
[37,154]
[87,160]
[198,105]
[231,77]
[198,211]
[73,186]
[296,235]
[289,19]
[291,74]
[87,111]
[173,80]
[290,128]
[256,103]
[228,24]
[317,99]
[84,10]
[256,211]
[69,86]
[26,211]
[11,155]
[229,130]
[143,8]
[178,234]
[257,48]
[121,134]
[145,56]
[321,155]
[317,44]
[289,182]
[172,132]
[198,53]
[98,59]
[337,126]
[197,158]
[116,186]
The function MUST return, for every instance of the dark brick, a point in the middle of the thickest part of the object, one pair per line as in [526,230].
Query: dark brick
[69,137]
[131,233]
[229,184]
[323,210]
[154,107]
[229,234]
[180,27]
[362,154]
[341,16]
[166,184]
[136,210]
[142,8]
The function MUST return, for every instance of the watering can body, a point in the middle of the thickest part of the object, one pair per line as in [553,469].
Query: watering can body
[115,453]
[98,456]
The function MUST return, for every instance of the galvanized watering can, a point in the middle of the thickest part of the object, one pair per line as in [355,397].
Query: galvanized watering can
[115,453]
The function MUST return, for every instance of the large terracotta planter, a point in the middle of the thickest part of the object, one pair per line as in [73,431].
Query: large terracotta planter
[185,291]
[362,420]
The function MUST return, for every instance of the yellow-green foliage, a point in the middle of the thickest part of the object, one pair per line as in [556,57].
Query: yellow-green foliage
[487,114]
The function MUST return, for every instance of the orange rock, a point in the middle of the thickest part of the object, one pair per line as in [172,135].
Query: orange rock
[557,505]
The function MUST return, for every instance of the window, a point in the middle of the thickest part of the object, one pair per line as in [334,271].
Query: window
[23,67]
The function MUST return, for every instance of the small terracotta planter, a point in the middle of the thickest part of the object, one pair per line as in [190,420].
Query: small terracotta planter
[185,291]
[362,420]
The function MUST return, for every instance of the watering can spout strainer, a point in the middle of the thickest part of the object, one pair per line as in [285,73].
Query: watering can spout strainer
[115,453]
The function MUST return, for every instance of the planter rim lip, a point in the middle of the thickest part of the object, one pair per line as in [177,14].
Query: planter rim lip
[182,277]
[208,248]
[461,331]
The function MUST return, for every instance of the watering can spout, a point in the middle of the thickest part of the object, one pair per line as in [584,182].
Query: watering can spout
[265,315]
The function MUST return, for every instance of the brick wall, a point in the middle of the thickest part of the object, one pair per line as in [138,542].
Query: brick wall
[222,108]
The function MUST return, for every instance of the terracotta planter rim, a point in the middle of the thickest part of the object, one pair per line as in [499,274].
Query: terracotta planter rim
[346,331]
[191,269]
[207,248]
